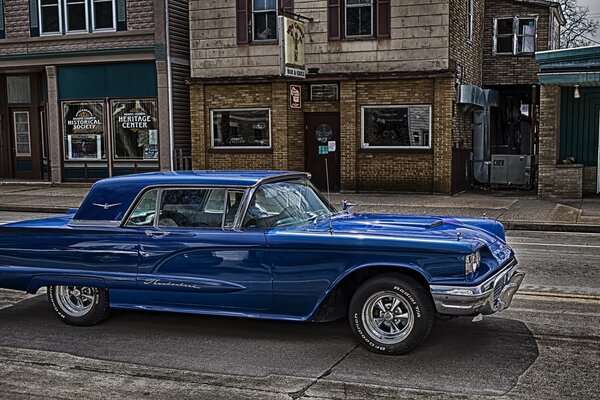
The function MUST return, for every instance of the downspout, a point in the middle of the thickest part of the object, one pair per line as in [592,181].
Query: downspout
[169,86]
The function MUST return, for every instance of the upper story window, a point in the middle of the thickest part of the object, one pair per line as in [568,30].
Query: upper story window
[359,18]
[264,20]
[59,17]
[514,35]
[470,16]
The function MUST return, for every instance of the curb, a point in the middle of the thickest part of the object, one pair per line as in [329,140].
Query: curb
[550,227]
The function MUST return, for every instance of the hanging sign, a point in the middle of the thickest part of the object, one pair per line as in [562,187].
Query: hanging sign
[291,47]
[295,96]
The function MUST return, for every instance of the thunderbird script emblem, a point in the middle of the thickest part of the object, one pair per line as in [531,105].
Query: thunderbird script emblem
[106,206]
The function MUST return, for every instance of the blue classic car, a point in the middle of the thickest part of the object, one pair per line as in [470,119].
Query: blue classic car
[258,244]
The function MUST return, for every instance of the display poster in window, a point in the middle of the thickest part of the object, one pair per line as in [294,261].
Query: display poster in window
[291,44]
[135,129]
[84,130]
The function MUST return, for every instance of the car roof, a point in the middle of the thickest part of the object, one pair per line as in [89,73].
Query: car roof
[109,199]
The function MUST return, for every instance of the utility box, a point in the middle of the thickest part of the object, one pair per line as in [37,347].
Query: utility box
[511,171]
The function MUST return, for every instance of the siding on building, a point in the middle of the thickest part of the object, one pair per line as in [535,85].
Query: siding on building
[419,42]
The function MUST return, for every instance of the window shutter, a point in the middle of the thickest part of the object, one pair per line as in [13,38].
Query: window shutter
[287,6]
[384,20]
[334,29]
[34,28]
[242,21]
[121,15]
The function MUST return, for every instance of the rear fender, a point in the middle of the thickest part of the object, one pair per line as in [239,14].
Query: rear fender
[40,281]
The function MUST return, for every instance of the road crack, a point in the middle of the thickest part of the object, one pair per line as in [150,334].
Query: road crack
[300,393]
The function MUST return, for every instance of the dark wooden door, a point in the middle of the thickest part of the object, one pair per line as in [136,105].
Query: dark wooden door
[322,141]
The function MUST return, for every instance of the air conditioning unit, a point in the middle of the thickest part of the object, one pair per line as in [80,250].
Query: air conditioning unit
[511,171]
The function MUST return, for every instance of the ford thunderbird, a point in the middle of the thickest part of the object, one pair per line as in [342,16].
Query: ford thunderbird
[261,245]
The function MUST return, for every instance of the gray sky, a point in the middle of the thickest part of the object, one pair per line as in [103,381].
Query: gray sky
[594,6]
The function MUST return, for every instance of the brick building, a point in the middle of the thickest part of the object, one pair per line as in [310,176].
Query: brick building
[394,88]
[92,88]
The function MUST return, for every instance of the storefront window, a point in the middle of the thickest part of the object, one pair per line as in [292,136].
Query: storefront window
[396,127]
[84,129]
[244,128]
[135,129]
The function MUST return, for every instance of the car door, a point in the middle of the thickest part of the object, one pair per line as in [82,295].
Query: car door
[189,257]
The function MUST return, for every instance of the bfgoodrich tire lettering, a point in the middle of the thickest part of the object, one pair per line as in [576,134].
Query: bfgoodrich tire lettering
[78,305]
[391,314]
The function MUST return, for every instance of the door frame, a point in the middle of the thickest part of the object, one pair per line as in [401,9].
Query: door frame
[338,152]
[598,164]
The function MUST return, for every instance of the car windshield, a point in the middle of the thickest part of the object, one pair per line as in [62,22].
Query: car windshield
[284,204]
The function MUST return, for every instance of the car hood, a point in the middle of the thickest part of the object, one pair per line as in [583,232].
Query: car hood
[462,235]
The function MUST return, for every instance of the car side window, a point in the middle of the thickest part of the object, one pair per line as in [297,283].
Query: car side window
[192,208]
[234,200]
[145,211]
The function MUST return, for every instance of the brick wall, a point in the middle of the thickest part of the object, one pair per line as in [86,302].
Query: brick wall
[360,169]
[16,17]
[512,69]
[548,138]
[590,179]
[140,16]
[568,181]
[469,55]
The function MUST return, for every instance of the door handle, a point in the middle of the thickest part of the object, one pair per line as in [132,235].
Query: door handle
[157,234]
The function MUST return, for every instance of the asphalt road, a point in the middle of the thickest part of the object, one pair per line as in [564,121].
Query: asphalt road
[546,346]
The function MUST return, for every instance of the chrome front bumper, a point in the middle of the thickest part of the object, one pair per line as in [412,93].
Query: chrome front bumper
[494,295]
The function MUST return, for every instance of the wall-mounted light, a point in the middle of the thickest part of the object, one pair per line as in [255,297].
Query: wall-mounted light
[577,94]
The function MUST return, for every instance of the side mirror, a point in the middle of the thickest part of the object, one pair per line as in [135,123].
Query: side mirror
[347,206]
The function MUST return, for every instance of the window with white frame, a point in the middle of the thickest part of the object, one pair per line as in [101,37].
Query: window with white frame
[76,16]
[403,127]
[359,18]
[241,128]
[515,35]
[22,133]
[264,20]
[470,12]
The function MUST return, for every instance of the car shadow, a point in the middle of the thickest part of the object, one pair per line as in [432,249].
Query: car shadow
[487,357]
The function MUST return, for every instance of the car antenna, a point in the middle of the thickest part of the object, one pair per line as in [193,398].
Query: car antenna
[328,196]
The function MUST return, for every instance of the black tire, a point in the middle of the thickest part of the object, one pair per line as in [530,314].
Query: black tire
[397,330]
[94,307]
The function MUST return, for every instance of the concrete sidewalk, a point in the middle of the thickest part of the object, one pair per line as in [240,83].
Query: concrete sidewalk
[515,210]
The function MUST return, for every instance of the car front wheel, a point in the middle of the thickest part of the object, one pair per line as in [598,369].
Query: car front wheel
[79,305]
[391,314]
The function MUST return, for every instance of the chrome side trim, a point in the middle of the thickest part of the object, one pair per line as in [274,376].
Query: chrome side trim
[91,223]
[493,295]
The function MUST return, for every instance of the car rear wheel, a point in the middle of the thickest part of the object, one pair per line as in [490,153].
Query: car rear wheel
[391,314]
[79,305]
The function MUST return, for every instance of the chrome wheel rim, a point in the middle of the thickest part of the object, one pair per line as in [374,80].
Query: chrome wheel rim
[388,317]
[76,301]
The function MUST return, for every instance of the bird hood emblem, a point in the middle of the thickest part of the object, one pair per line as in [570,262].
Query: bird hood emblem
[106,206]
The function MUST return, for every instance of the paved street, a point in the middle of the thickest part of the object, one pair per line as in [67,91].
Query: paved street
[546,346]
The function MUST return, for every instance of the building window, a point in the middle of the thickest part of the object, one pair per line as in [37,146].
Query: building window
[22,133]
[135,129]
[514,35]
[402,127]
[242,128]
[359,18]
[470,15]
[264,20]
[18,89]
[76,14]
[84,129]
